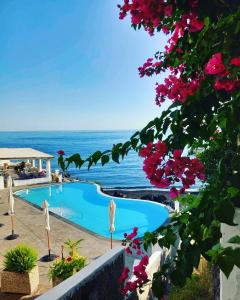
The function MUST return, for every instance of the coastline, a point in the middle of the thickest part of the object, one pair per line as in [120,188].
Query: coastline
[142,194]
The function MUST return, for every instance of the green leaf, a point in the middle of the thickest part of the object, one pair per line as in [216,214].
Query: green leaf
[115,156]
[178,278]
[96,156]
[147,136]
[105,159]
[168,239]
[223,123]
[76,159]
[158,286]
[233,192]
[225,212]
[166,124]
[226,265]
[234,240]
[206,23]
[134,142]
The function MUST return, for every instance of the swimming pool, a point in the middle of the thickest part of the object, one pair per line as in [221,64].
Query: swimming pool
[84,204]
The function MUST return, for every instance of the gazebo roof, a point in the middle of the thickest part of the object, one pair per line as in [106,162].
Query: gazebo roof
[22,153]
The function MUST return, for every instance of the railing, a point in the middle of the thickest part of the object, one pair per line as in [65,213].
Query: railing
[97,281]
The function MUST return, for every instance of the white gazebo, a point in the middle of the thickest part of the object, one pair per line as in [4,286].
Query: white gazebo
[31,156]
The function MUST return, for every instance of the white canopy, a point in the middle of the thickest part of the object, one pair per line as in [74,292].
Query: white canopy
[22,153]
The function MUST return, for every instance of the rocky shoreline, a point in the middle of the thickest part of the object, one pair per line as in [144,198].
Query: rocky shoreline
[144,194]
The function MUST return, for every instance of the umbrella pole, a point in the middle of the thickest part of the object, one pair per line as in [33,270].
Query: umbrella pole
[49,256]
[49,248]
[12,224]
[12,236]
[111,240]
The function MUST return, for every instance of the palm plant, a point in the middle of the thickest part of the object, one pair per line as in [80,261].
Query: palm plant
[73,246]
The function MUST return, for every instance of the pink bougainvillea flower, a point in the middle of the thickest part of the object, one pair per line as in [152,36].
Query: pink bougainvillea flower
[165,29]
[235,61]
[174,193]
[215,65]
[61,152]
[177,153]
[128,250]
[164,169]
[124,274]
[225,84]
[195,25]
[168,10]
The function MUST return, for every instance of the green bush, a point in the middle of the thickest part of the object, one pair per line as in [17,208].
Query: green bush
[64,268]
[198,287]
[20,259]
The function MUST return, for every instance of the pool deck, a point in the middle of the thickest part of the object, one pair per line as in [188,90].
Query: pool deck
[29,224]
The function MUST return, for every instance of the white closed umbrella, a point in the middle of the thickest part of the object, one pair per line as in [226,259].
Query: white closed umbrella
[10,198]
[11,211]
[9,182]
[112,210]
[45,206]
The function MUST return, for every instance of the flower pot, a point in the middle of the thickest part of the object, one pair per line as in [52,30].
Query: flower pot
[57,280]
[20,283]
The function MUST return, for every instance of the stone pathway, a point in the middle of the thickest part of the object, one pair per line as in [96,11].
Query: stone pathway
[29,224]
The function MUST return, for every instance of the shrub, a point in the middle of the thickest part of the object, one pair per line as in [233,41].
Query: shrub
[20,259]
[198,287]
[64,268]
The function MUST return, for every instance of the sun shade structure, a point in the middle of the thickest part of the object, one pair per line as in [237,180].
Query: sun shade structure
[22,154]
[29,156]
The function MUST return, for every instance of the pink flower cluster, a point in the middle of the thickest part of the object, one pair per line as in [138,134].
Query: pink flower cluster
[215,66]
[134,243]
[149,68]
[176,88]
[141,277]
[148,13]
[189,22]
[163,171]
[151,13]
[139,270]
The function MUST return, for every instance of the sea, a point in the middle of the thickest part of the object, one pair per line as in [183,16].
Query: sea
[127,174]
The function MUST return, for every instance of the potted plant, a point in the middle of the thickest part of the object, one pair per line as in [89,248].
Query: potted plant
[63,268]
[21,274]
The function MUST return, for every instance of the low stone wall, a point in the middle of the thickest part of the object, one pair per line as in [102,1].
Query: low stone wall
[21,182]
[97,281]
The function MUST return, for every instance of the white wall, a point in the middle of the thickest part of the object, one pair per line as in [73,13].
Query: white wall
[230,288]
[31,181]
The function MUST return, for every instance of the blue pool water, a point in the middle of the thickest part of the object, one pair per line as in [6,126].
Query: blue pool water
[83,204]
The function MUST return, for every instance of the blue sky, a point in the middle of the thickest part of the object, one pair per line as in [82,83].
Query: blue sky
[72,64]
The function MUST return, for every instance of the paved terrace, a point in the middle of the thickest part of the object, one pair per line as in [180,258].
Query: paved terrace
[29,224]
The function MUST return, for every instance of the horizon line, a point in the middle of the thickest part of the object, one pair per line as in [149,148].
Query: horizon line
[76,130]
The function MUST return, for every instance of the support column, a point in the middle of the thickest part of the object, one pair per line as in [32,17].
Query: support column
[40,165]
[48,168]
[33,163]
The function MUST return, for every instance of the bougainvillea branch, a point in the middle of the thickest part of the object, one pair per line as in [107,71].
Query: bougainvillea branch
[202,63]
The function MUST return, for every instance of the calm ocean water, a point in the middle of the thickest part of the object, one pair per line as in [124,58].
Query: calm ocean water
[127,174]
